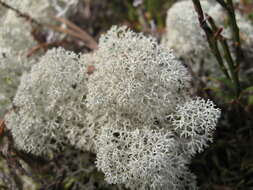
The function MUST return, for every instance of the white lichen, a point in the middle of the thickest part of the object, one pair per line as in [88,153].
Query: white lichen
[15,33]
[15,42]
[136,95]
[44,10]
[49,103]
[184,34]
[128,103]
[195,122]
[135,80]
[141,159]
[11,68]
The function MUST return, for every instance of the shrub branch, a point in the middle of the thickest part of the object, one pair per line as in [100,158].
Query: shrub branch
[213,35]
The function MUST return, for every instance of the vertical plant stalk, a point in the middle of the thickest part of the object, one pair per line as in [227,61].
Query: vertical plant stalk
[227,55]
[234,28]
[213,34]
[229,7]
[210,37]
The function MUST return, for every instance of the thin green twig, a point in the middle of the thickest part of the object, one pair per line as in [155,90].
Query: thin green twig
[210,37]
[213,34]
[227,54]
[234,28]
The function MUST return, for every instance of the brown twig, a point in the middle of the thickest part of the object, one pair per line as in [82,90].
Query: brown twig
[81,34]
[19,13]
[44,46]
[74,30]
[2,127]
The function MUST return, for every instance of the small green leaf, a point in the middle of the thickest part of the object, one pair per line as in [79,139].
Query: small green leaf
[249,89]
[250,100]
[69,183]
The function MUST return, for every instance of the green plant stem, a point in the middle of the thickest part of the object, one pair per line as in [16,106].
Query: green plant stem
[218,56]
[227,55]
[213,34]
[230,63]
[235,29]
[210,37]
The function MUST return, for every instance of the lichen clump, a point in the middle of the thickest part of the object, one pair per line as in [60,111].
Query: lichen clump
[49,103]
[133,111]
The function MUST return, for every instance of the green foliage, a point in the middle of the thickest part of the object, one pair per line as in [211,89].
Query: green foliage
[153,10]
[250,16]
[156,9]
